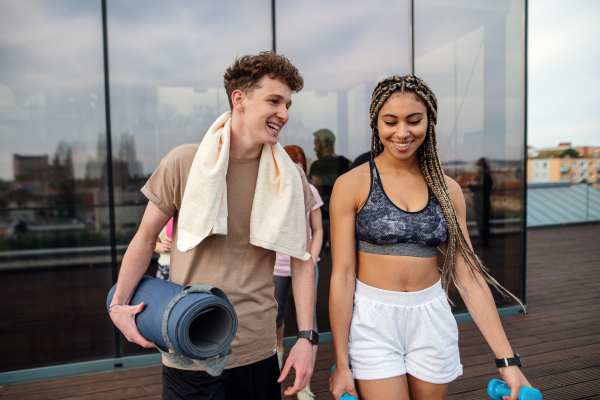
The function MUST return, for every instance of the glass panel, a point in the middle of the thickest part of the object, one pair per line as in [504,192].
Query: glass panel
[342,48]
[557,203]
[167,62]
[54,242]
[475,67]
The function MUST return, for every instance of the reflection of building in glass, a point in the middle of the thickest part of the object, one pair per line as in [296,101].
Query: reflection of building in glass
[30,168]
[128,158]
[505,197]
[126,168]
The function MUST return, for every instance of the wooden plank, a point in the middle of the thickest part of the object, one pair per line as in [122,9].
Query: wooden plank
[91,389]
[578,391]
[80,380]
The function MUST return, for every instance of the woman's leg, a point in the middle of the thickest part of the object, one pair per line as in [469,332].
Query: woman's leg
[280,338]
[391,388]
[280,345]
[282,288]
[421,390]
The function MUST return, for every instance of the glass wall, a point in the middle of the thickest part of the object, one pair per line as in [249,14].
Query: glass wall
[54,240]
[166,88]
[475,67]
[342,56]
[167,62]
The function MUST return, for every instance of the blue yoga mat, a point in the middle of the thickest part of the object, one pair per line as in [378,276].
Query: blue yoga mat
[200,325]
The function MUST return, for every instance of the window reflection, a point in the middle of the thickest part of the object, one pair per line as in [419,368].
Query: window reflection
[342,49]
[475,68]
[54,253]
[167,62]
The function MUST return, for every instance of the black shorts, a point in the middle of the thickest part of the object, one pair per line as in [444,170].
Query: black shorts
[257,381]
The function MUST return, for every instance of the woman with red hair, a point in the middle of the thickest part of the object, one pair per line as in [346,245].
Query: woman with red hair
[282,273]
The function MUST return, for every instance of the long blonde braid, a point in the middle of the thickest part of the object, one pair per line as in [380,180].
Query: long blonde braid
[432,172]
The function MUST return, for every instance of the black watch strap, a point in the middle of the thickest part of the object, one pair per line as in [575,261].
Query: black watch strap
[508,362]
[310,335]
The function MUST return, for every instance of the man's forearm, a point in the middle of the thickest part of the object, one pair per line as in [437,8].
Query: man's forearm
[134,265]
[303,284]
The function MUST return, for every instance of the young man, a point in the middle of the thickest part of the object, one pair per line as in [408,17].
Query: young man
[259,90]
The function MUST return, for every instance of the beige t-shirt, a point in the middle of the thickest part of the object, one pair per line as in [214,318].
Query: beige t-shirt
[243,271]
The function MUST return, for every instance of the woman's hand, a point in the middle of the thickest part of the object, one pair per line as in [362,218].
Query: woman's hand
[514,379]
[163,247]
[342,381]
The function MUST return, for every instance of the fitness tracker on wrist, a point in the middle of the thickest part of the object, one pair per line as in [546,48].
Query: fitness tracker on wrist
[508,362]
[312,336]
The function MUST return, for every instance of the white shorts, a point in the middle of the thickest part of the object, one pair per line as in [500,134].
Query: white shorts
[394,333]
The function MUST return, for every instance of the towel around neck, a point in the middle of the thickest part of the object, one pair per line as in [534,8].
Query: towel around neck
[277,220]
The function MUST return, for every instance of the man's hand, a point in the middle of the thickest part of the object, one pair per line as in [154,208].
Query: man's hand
[124,319]
[300,358]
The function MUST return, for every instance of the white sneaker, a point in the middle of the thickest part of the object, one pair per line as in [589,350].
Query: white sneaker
[306,394]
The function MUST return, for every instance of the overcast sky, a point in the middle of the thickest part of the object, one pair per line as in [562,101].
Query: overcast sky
[564,72]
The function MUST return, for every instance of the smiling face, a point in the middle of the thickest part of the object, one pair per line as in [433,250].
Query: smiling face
[263,112]
[402,125]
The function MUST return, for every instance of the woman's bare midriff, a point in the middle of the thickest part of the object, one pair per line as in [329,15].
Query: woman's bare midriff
[397,273]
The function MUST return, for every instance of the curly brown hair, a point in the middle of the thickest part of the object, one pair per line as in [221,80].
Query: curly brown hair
[246,72]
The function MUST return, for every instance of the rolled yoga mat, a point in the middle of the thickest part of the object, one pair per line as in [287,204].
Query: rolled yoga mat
[199,326]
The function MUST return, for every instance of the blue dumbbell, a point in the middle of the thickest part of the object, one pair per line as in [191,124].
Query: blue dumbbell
[346,396]
[496,389]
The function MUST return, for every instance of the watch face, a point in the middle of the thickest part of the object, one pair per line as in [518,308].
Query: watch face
[315,337]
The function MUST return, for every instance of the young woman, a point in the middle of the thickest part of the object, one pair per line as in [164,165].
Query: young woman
[282,273]
[394,334]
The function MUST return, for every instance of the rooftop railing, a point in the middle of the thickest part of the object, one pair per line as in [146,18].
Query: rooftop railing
[561,203]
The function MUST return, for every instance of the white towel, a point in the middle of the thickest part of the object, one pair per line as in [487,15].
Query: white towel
[278,187]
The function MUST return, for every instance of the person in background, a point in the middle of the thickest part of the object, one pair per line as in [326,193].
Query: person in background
[163,248]
[481,187]
[360,160]
[327,168]
[324,172]
[282,274]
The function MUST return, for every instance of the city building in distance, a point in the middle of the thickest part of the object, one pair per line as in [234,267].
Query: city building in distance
[563,163]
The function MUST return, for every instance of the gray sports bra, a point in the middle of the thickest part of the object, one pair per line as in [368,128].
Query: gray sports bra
[384,228]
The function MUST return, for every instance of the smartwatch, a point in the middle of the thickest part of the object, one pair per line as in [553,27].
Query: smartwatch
[312,336]
[508,362]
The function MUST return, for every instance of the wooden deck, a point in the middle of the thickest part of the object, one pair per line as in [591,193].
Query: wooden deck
[558,340]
